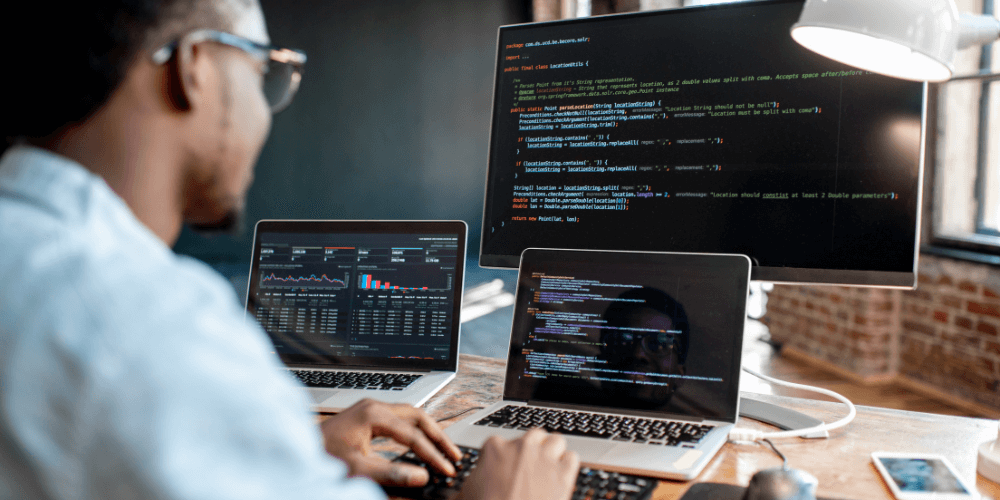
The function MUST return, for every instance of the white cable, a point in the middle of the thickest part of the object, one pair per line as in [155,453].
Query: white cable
[755,435]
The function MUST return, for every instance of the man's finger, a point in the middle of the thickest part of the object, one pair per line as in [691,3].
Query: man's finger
[408,434]
[571,463]
[429,427]
[554,445]
[425,423]
[534,436]
[433,431]
[389,473]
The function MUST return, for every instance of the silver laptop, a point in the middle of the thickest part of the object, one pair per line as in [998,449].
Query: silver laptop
[634,357]
[361,309]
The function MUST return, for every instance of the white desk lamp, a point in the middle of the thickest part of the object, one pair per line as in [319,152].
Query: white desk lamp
[909,39]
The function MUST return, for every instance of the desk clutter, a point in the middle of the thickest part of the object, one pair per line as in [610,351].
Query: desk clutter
[591,484]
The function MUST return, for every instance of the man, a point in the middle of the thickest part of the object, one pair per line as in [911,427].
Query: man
[127,371]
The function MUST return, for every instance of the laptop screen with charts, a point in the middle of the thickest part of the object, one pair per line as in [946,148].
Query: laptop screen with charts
[343,299]
[652,338]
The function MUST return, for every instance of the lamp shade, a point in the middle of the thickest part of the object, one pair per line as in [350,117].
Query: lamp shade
[911,39]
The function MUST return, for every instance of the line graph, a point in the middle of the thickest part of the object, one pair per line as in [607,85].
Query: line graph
[311,281]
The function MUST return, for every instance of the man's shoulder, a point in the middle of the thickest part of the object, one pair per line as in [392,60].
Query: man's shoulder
[105,282]
[82,275]
[86,325]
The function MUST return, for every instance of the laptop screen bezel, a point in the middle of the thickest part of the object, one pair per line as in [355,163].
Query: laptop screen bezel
[455,228]
[533,258]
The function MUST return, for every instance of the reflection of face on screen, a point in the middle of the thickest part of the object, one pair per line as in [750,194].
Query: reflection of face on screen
[646,338]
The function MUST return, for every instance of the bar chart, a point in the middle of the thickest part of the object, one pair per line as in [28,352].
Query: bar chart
[408,281]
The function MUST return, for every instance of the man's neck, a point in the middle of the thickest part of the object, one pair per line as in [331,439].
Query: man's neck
[121,144]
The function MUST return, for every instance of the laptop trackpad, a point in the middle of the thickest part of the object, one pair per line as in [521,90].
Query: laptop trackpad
[320,395]
[653,456]
[589,450]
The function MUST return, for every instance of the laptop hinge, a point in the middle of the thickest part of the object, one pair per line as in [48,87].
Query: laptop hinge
[619,411]
[348,368]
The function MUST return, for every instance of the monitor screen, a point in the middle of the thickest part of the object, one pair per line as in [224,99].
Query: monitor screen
[705,129]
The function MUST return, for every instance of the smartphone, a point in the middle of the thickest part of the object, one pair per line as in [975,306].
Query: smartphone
[914,476]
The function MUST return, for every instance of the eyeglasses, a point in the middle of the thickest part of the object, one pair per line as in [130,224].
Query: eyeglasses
[653,342]
[281,76]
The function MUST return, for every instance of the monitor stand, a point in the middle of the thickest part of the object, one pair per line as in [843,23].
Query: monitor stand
[783,418]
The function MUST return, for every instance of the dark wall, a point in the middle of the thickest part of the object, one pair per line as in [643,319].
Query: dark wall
[391,120]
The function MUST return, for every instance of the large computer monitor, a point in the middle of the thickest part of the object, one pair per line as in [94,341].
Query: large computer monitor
[704,129]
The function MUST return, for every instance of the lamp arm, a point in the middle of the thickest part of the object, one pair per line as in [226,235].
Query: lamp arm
[974,30]
[984,75]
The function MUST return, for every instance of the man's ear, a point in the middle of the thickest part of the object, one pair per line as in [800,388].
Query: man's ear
[188,76]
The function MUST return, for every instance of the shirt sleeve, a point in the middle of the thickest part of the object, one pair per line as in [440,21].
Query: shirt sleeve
[161,389]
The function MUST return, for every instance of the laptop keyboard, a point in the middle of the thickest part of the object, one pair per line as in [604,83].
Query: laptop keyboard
[590,483]
[596,425]
[355,380]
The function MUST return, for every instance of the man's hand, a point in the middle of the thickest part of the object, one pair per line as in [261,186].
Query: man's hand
[535,466]
[348,436]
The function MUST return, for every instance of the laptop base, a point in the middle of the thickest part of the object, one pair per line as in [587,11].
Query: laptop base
[337,400]
[662,462]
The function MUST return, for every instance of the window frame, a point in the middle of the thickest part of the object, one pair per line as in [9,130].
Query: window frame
[982,245]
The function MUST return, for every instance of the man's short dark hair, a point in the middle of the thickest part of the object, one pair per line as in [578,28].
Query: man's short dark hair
[65,59]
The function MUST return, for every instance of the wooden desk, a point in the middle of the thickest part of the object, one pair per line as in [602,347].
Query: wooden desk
[841,463]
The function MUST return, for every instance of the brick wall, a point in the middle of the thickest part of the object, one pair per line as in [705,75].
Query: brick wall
[943,334]
[849,327]
[948,329]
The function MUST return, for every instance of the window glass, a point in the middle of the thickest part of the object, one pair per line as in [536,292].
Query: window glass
[967,163]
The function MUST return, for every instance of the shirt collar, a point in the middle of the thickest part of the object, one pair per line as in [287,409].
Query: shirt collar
[51,181]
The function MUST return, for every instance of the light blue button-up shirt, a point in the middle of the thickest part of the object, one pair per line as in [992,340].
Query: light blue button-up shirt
[127,371]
